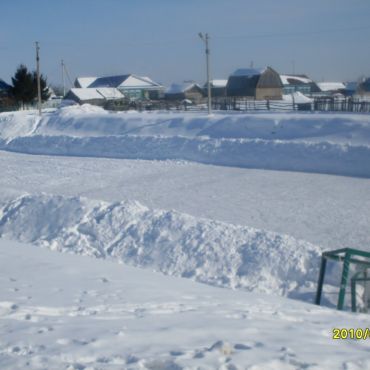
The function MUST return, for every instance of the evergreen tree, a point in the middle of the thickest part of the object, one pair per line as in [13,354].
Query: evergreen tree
[23,86]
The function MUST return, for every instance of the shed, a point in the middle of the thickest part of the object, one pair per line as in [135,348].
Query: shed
[330,88]
[256,83]
[218,88]
[94,96]
[186,90]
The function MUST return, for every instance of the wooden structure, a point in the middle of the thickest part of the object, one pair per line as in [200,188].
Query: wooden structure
[185,91]
[256,83]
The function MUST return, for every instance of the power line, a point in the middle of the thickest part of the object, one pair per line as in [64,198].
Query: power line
[293,34]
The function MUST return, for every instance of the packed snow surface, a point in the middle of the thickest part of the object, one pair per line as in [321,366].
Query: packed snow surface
[59,311]
[330,211]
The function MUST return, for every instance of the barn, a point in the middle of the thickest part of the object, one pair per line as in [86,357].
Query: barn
[255,83]
[94,96]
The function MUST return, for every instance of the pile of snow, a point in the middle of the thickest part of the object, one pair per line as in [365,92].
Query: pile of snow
[168,241]
[297,97]
[326,158]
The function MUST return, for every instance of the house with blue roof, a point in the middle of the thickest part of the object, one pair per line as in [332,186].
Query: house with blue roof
[131,86]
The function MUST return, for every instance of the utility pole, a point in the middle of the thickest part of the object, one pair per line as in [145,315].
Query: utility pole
[38,77]
[63,79]
[205,38]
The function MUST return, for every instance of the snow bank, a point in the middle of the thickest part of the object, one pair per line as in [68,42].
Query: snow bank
[173,243]
[323,143]
[340,159]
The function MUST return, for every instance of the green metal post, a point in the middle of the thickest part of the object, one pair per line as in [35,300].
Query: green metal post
[343,282]
[353,294]
[321,280]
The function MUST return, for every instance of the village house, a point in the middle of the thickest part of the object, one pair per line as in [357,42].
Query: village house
[298,83]
[133,87]
[255,83]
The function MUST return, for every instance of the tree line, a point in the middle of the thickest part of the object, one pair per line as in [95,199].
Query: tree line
[24,87]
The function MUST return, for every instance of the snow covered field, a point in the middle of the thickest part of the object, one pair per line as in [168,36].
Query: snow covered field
[202,206]
[59,311]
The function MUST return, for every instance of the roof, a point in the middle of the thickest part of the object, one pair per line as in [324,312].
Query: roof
[82,82]
[4,85]
[295,79]
[180,88]
[249,72]
[331,86]
[84,94]
[217,83]
[128,81]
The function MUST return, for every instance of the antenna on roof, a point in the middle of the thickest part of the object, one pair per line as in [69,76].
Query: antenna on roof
[252,64]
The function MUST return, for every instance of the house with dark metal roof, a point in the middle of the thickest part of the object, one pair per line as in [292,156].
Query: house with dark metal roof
[256,83]
[132,86]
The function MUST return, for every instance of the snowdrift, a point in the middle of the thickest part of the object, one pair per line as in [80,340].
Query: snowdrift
[324,143]
[339,159]
[176,244]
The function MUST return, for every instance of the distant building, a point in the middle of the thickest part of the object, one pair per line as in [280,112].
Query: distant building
[256,83]
[218,88]
[351,88]
[4,88]
[185,91]
[364,88]
[94,96]
[132,86]
[331,88]
[5,98]
[298,83]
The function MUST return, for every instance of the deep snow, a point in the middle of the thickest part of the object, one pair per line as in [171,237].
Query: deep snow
[268,331]
[324,143]
[208,251]
[59,311]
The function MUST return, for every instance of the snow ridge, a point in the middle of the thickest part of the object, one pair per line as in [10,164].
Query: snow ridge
[168,241]
[324,157]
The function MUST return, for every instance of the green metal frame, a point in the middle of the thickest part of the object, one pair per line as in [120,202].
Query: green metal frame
[347,256]
[360,276]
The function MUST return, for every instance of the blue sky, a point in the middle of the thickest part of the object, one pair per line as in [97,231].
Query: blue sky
[326,39]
